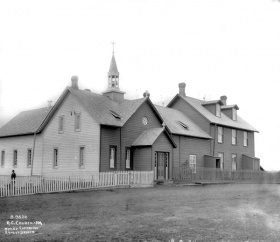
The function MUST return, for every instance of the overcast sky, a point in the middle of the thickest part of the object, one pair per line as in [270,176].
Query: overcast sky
[216,47]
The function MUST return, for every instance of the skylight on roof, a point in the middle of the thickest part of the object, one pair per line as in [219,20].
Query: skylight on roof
[117,116]
[183,125]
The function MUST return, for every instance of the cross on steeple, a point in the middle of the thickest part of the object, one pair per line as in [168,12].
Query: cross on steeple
[113,43]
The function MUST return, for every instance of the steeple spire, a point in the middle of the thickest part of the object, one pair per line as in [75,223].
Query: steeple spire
[113,90]
[113,73]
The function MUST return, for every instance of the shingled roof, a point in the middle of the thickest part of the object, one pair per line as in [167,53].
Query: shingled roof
[27,122]
[173,118]
[223,120]
[100,107]
[104,110]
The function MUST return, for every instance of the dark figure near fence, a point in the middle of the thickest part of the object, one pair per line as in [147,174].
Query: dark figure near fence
[13,175]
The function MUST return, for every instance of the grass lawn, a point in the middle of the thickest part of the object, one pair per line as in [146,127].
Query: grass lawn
[231,212]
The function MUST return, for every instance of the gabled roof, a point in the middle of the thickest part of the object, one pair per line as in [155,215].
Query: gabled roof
[173,117]
[223,120]
[101,108]
[27,122]
[148,137]
[230,106]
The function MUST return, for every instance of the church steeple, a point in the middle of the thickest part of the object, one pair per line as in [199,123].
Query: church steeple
[113,90]
[113,74]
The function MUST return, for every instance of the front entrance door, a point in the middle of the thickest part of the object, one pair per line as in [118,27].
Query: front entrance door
[161,165]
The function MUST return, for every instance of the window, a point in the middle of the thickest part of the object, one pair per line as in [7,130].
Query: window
[245,138]
[234,114]
[192,163]
[82,156]
[112,155]
[117,116]
[233,162]
[29,157]
[233,136]
[221,155]
[15,158]
[61,124]
[218,110]
[127,158]
[220,134]
[2,157]
[184,125]
[55,157]
[78,122]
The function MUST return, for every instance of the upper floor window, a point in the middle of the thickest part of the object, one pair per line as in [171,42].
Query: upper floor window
[218,110]
[78,122]
[245,138]
[233,136]
[2,157]
[61,124]
[127,158]
[29,157]
[82,156]
[112,155]
[234,114]
[192,163]
[233,162]
[220,134]
[15,158]
[55,157]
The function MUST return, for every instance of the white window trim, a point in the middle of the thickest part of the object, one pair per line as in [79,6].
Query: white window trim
[220,134]
[29,165]
[234,137]
[78,129]
[233,161]
[82,161]
[3,158]
[55,158]
[127,158]
[245,139]
[192,163]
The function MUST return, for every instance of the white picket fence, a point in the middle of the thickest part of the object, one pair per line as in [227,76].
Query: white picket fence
[39,184]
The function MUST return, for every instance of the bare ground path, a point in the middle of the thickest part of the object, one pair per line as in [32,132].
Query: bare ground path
[231,212]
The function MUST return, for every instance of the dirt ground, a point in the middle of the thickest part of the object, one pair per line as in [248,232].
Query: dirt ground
[228,212]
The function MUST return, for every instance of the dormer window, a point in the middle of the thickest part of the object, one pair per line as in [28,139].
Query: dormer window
[183,125]
[218,110]
[117,116]
[234,114]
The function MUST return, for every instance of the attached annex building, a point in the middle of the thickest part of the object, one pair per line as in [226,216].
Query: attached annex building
[87,133]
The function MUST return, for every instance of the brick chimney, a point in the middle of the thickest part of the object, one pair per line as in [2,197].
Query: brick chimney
[74,80]
[182,87]
[224,100]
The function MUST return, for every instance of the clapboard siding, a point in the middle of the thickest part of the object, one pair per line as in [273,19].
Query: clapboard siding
[189,111]
[69,142]
[142,159]
[211,108]
[187,146]
[21,144]
[109,136]
[228,149]
[134,127]
[163,144]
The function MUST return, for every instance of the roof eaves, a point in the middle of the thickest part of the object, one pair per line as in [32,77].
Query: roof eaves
[53,110]
[194,136]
